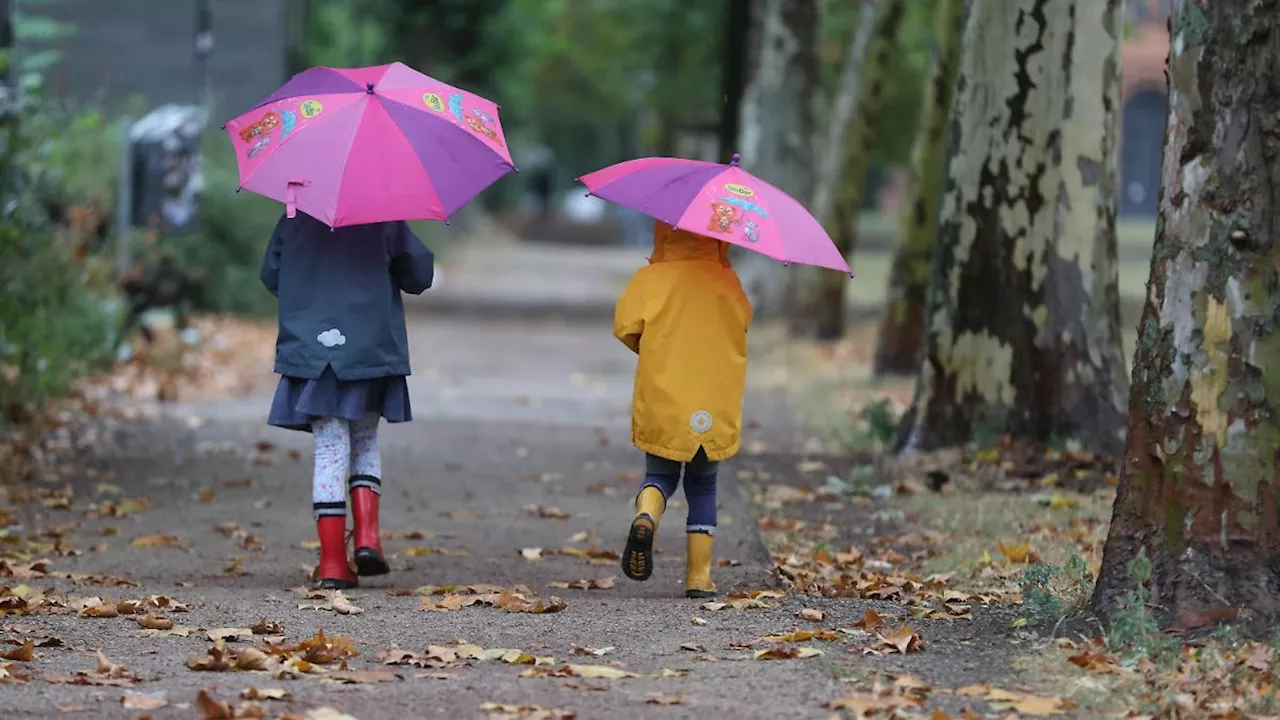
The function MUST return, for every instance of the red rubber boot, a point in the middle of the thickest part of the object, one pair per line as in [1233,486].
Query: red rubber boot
[335,573]
[365,494]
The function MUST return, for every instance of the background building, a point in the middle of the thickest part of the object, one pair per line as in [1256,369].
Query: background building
[124,49]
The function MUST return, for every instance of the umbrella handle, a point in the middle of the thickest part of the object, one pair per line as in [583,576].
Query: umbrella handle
[291,197]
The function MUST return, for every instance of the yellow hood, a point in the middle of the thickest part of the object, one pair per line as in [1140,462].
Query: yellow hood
[670,244]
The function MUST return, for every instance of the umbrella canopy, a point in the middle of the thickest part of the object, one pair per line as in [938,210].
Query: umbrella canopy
[350,146]
[724,202]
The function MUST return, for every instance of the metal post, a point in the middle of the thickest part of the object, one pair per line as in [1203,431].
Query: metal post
[124,199]
[203,50]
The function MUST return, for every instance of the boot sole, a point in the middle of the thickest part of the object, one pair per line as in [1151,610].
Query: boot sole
[700,594]
[370,562]
[336,584]
[637,557]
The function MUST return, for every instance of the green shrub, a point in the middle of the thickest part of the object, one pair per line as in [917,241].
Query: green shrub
[58,311]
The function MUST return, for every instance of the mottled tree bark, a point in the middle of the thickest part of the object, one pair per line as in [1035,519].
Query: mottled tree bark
[778,127]
[1198,489]
[1023,333]
[847,206]
[902,328]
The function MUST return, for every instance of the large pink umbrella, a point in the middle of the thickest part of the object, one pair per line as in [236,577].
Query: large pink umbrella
[719,201]
[350,146]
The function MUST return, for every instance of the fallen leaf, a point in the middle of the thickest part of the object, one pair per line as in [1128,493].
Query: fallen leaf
[267,627]
[105,610]
[665,698]
[144,701]
[231,634]
[157,541]
[810,614]
[155,622]
[595,652]
[903,639]
[532,553]
[601,583]
[786,652]
[25,653]
[254,693]
[870,620]
[547,513]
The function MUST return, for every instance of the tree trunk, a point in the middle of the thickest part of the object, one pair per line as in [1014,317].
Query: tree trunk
[778,122]
[1198,489]
[902,328]
[733,73]
[856,153]
[847,97]
[1024,333]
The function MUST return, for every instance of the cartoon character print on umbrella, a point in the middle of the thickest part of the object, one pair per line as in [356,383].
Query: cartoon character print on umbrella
[477,120]
[735,210]
[750,228]
[258,135]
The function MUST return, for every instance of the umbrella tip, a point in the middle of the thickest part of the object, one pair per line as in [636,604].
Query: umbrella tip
[850,274]
[368,87]
[735,159]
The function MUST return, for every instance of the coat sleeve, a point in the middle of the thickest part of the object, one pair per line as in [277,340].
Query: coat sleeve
[412,262]
[270,272]
[628,315]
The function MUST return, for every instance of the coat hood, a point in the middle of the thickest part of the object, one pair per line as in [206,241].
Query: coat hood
[675,244]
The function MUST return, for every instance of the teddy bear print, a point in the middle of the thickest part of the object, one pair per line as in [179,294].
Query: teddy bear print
[724,217]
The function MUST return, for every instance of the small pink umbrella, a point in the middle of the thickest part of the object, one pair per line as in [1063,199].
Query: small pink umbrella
[350,146]
[719,201]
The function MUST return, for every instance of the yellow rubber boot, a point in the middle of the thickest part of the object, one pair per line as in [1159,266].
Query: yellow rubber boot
[697,569]
[637,558]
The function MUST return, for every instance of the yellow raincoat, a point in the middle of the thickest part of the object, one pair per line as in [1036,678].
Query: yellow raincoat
[686,316]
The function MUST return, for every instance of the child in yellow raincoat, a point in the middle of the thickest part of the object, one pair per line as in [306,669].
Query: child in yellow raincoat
[686,316]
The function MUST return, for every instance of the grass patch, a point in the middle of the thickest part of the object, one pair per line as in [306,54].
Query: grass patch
[978,522]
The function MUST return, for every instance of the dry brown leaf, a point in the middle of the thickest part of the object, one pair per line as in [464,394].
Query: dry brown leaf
[144,701]
[231,634]
[547,513]
[155,622]
[25,653]
[870,620]
[157,541]
[810,614]
[595,652]
[787,652]
[665,698]
[105,610]
[255,693]
[903,639]
[602,583]
[267,627]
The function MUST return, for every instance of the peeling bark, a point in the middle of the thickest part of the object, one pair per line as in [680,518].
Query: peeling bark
[1023,332]
[902,328]
[1198,489]
[847,209]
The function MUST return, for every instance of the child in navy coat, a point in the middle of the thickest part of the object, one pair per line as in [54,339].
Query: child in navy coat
[343,355]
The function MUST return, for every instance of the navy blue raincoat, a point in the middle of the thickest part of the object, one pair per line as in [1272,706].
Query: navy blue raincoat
[339,296]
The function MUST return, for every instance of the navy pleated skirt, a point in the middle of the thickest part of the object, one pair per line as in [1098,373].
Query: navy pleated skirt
[298,402]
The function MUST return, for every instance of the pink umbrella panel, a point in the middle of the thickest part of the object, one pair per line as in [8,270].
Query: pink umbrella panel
[719,201]
[358,145]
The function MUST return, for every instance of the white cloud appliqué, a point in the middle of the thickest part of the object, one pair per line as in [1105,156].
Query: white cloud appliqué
[332,337]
